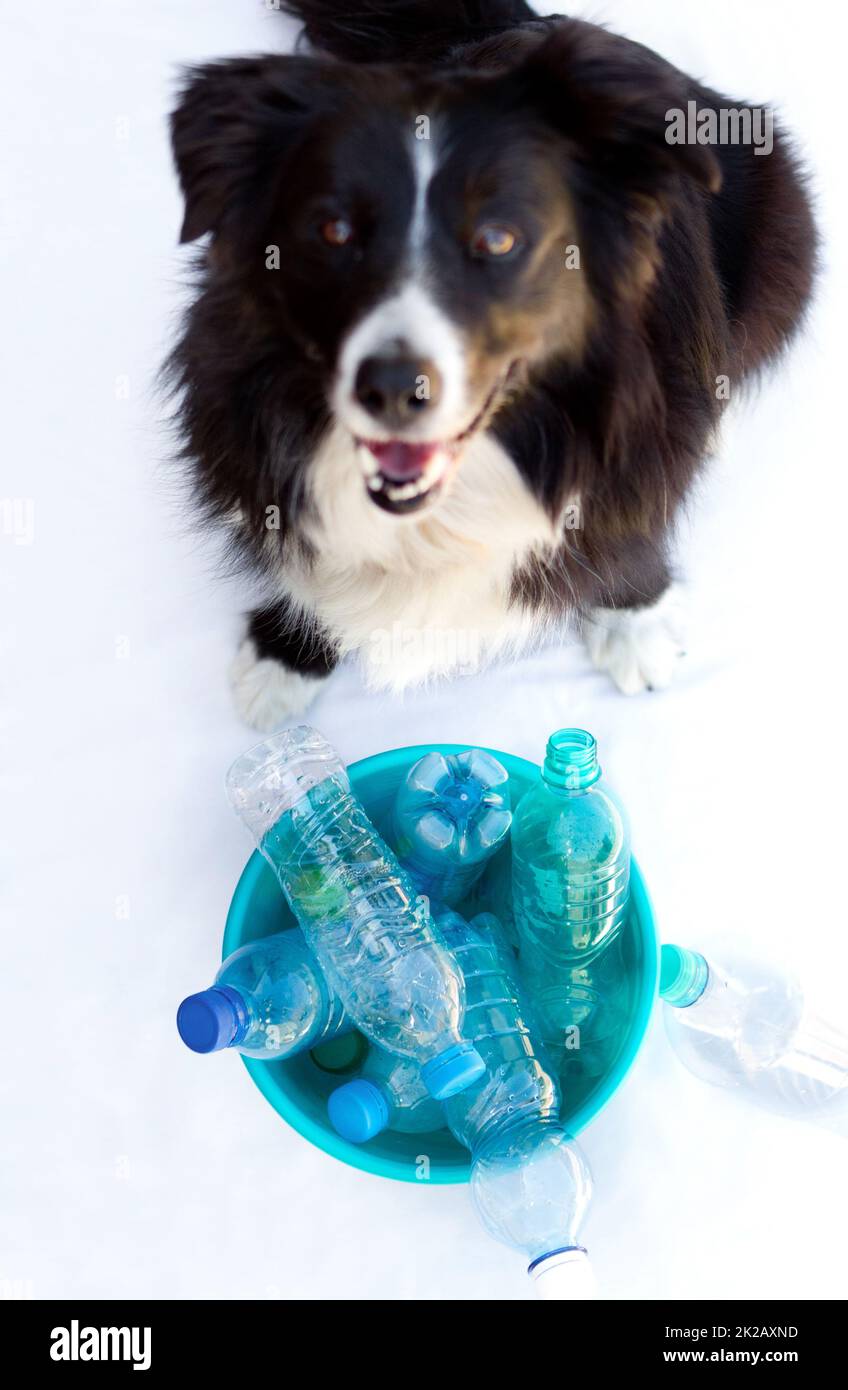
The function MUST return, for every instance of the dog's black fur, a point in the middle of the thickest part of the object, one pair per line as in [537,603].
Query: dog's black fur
[698,264]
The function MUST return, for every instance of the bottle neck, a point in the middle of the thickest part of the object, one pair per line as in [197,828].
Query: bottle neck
[239,1008]
[571,761]
[500,1133]
[683,976]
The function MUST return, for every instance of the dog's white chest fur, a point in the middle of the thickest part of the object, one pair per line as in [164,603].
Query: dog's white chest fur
[424,595]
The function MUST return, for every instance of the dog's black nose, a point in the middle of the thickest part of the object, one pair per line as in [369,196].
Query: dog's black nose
[395,390]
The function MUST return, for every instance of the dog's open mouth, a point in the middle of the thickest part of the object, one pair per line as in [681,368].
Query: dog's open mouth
[403,476]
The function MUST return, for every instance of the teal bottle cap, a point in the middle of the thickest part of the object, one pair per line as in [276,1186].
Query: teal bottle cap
[683,976]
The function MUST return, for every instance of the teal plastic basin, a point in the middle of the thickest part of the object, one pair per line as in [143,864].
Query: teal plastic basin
[298,1089]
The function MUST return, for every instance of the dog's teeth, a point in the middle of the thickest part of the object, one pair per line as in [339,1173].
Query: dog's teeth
[430,476]
[377,481]
[402,494]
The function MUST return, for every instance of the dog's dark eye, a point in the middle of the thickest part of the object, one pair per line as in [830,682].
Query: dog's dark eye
[337,232]
[494,239]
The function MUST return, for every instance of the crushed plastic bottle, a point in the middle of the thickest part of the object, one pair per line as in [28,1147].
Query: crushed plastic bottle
[746,1025]
[371,933]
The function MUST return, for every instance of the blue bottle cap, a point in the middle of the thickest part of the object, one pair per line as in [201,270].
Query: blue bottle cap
[454,1069]
[213,1019]
[358,1111]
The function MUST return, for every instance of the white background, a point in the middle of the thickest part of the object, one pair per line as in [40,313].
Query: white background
[134,1168]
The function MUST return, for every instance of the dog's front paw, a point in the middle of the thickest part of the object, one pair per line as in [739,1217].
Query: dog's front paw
[638,647]
[266,692]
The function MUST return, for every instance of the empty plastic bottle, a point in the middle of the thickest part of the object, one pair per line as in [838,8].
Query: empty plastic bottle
[746,1025]
[570,872]
[372,935]
[531,1186]
[529,1181]
[269,1000]
[450,815]
[389,1094]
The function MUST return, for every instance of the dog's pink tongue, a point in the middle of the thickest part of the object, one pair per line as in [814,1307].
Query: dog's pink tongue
[402,462]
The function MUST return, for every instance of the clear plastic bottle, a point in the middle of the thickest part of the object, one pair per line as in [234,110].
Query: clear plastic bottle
[746,1025]
[529,1181]
[269,1000]
[389,1094]
[531,1187]
[451,814]
[570,873]
[372,935]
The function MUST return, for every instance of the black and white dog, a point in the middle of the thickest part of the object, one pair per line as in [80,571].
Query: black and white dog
[467,317]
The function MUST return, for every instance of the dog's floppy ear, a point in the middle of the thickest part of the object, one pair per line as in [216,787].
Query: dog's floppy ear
[614,100]
[232,119]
